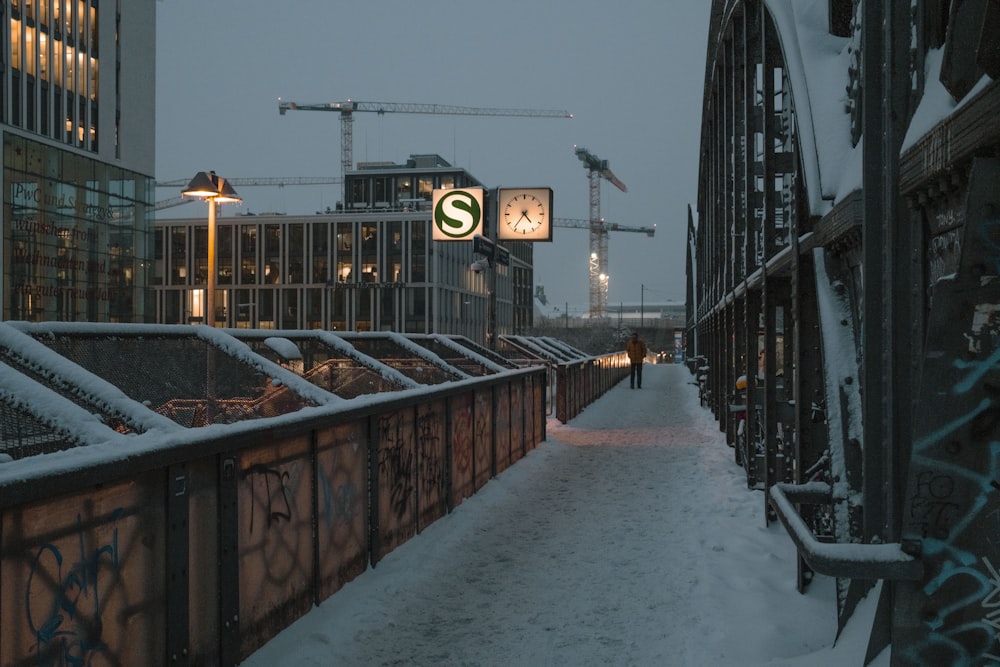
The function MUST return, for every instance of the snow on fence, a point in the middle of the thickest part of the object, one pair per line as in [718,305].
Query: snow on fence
[157,542]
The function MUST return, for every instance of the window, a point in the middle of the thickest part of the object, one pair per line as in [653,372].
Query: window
[224,254]
[248,255]
[178,256]
[359,193]
[425,189]
[272,253]
[296,253]
[418,252]
[383,191]
[320,255]
[404,188]
[369,254]
[394,251]
[345,253]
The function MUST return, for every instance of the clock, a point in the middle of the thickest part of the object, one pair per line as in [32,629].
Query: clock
[525,214]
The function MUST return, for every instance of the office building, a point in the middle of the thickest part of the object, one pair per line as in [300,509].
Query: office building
[77,117]
[369,265]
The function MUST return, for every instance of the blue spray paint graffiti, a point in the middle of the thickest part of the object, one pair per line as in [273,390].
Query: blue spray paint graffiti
[63,607]
[339,502]
[952,501]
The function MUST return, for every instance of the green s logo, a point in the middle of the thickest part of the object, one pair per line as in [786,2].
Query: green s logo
[457,214]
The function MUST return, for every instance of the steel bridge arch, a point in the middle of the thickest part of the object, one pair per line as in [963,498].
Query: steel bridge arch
[857,286]
[760,190]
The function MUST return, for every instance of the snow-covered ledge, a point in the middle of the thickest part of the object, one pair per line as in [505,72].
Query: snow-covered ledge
[850,561]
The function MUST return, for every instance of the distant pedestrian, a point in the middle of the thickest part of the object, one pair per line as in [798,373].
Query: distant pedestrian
[636,350]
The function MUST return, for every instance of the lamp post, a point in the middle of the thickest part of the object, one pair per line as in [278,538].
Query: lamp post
[215,190]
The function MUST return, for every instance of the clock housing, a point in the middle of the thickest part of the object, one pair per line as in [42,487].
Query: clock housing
[524,214]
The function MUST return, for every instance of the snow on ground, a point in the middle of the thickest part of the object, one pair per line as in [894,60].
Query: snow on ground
[628,537]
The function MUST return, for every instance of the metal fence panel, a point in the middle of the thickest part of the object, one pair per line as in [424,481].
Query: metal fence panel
[396,485]
[342,505]
[83,577]
[483,441]
[432,469]
[462,448]
[275,538]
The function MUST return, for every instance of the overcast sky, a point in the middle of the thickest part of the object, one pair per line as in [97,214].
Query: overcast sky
[630,72]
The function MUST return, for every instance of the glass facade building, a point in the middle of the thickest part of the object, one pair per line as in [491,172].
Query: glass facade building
[77,160]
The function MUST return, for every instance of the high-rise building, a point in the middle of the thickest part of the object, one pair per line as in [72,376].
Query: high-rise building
[77,117]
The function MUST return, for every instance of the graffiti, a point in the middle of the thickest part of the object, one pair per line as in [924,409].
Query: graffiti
[942,255]
[339,501]
[963,629]
[461,427]
[931,508]
[62,599]
[953,505]
[951,502]
[395,464]
[275,499]
[483,439]
[502,432]
[432,475]
[936,150]
[992,600]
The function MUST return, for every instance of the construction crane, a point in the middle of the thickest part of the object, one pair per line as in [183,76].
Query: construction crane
[605,227]
[577,223]
[350,107]
[278,181]
[598,169]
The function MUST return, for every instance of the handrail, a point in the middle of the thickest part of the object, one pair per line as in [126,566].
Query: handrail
[851,561]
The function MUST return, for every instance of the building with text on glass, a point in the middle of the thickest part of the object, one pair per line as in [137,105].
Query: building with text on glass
[77,118]
[370,265]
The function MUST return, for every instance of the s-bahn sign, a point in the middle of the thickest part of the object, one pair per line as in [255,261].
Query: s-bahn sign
[458,214]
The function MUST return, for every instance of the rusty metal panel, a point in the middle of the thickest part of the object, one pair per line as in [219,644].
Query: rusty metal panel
[482,444]
[82,577]
[432,463]
[203,572]
[396,499]
[501,440]
[342,505]
[275,538]
[530,416]
[543,407]
[562,393]
[462,480]
[516,421]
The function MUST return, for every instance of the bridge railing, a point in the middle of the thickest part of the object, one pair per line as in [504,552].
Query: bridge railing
[580,383]
[201,551]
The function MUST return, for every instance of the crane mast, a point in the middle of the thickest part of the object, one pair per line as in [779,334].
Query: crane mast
[596,170]
[350,107]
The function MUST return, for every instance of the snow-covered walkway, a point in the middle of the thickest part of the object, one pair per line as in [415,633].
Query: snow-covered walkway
[627,538]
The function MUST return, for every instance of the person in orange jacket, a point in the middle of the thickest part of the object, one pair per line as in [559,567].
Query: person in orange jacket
[636,350]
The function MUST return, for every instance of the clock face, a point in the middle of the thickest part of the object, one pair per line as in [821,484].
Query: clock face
[524,213]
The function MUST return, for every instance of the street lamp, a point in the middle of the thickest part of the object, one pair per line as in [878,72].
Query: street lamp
[215,190]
